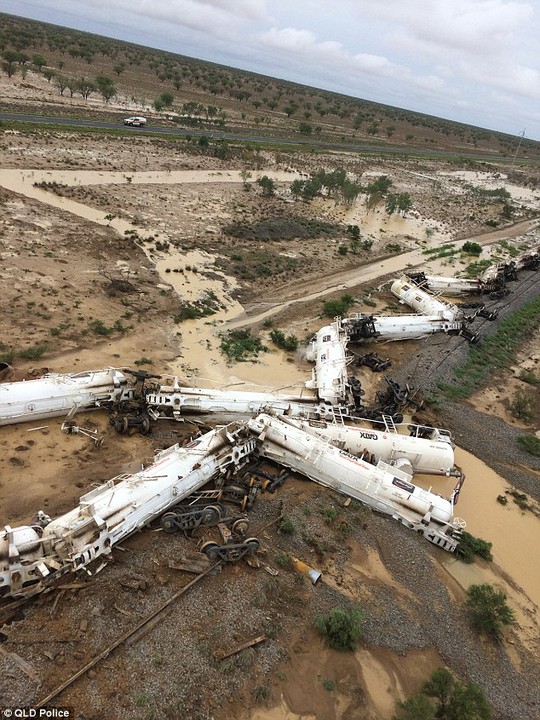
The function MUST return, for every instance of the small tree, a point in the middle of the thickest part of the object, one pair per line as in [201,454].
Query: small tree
[61,82]
[453,700]
[341,628]
[267,185]
[86,87]
[106,87]
[245,175]
[488,609]
[417,707]
[297,187]
[467,703]
[440,686]
[9,64]
[167,99]
[72,86]
[38,61]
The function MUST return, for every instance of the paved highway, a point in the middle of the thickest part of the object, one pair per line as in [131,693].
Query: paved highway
[233,137]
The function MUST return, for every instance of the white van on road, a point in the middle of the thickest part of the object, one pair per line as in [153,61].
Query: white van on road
[135,121]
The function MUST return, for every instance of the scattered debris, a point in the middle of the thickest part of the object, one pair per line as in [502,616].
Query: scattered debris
[221,655]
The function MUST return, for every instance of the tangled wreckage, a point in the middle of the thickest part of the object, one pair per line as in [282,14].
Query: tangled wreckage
[323,432]
[32,557]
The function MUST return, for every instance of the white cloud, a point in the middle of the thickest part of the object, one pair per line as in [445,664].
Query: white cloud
[474,26]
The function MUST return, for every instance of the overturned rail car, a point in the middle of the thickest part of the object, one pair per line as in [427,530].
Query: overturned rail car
[382,487]
[33,556]
[421,450]
[56,394]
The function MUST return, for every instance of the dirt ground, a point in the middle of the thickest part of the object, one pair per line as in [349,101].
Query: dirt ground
[95,270]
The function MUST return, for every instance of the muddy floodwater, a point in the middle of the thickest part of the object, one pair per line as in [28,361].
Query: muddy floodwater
[515,533]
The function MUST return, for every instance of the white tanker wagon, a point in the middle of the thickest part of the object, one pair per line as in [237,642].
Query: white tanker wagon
[174,401]
[427,304]
[330,379]
[57,394]
[423,302]
[432,455]
[34,556]
[401,327]
[384,488]
[449,286]
[492,280]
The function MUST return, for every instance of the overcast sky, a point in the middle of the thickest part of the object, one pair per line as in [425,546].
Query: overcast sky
[475,61]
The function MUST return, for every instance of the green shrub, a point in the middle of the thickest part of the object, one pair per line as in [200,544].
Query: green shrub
[469,546]
[530,443]
[286,343]
[334,308]
[472,248]
[241,346]
[529,377]
[329,514]
[6,355]
[488,609]
[261,692]
[286,526]
[99,327]
[341,628]
[521,406]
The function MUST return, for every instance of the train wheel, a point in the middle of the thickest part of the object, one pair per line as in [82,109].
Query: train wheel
[145,425]
[240,526]
[253,544]
[168,522]
[211,515]
[210,549]
[121,425]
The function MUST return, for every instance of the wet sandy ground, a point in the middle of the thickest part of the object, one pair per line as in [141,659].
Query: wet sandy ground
[510,530]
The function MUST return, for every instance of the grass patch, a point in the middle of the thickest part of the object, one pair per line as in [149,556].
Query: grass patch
[529,443]
[241,346]
[277,227]
[255,264]
[206,306]
[494,352]
[475,269]
[34,353]
[334,308]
